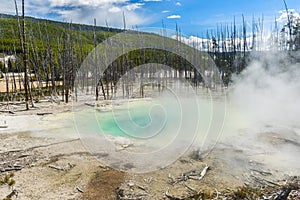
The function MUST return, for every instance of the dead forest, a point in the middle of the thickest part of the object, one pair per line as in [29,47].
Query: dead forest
[40,58]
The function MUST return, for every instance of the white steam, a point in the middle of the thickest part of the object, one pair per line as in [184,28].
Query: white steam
[264,113]
[268,90]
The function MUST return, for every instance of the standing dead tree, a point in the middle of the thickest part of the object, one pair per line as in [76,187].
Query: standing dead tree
[98,75]
[289,24]
[51,65]
[26,89]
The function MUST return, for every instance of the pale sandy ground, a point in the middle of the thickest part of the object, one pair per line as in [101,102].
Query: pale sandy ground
[18,82]
[55,165]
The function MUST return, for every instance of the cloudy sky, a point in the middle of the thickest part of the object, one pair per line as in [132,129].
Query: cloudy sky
[193,17]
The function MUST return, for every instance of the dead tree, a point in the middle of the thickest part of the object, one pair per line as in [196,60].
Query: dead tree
[98,76]
[51,65]
[25,57]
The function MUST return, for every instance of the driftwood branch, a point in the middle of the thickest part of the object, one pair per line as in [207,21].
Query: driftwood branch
[284,194]
[7,111]
[56,167]
[194,175]
[264,181]
[59,168]
[203,172]
[44,113]
[39,146]
[79,189]
[10,169]
[14,192]
[141,187]
[190,188]
[264,173]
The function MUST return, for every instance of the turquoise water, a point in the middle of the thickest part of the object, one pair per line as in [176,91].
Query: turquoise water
[163,119]
[141,120]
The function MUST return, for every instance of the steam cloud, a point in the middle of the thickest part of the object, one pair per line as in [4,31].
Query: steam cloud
[268,91]
[264,112]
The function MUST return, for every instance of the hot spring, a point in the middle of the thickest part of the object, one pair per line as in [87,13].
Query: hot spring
[153,133]
[160,129]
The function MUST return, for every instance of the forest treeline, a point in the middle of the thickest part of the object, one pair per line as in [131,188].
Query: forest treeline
[55,51]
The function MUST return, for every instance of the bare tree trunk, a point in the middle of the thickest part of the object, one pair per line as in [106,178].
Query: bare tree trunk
[20,39]
[14,82]
[51,68]
[6,80]
[67,71]
[37,69]
[289,25]
[98,76]
[143,56]
[25,57]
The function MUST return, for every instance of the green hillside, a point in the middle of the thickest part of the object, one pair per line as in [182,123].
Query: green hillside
[39,29]
[54,51]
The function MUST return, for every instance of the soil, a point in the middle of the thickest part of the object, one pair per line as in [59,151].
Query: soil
[103,185]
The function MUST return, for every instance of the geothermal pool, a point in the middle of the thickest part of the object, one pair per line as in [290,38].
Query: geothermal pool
[159,129]
[147,119]
[142,120]
[153,133]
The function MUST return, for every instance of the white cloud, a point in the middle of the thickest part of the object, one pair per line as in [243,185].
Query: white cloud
[86,15]
[174,17]
[114,9]
[90,3]
[165,11]
[197,42]
[134,6]
[84,11]
[283,18]
[31,7]
[178,3]
[207,44]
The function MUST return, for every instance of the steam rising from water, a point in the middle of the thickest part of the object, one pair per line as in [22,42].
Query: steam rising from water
[268,91]
[265,104]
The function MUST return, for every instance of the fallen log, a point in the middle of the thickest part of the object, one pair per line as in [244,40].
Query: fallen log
[23,156]
[79,189]
[89,104]
[194,175]
[45,113]
[7,111]
[10,169]
[39,146]
[202,174]
[264,181]
[47,145]
[190,188]
[13,193]
[262,172]
[284,194]
[56,167]
[141,187]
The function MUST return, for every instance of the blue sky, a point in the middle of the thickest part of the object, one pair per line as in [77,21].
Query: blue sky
[193,17]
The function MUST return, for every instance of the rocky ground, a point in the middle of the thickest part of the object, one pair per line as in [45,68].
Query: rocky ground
[48,165]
